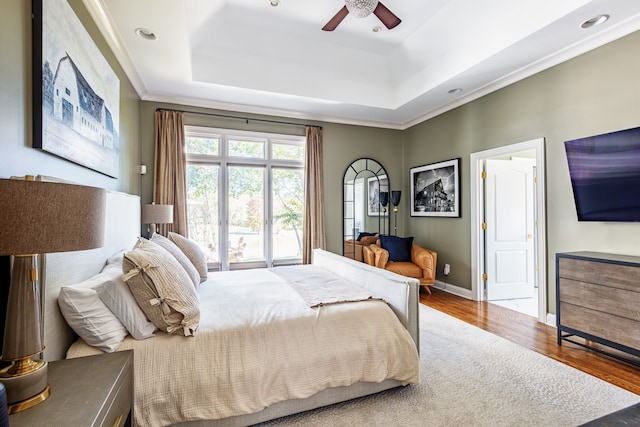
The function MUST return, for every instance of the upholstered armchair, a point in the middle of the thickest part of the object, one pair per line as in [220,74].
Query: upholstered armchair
[403,257]
[353,248]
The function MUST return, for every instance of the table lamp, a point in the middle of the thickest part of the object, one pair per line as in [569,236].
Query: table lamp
[38,217]
[156,214]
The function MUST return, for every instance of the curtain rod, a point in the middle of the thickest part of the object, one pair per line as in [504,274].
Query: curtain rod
[246,119]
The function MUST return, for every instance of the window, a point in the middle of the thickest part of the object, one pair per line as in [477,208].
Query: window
[245,196]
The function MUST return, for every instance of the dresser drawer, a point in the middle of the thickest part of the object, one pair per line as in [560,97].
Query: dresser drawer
[603,298]
[595,271]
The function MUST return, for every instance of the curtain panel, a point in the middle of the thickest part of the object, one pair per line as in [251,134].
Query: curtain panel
[169,172]
[313,225]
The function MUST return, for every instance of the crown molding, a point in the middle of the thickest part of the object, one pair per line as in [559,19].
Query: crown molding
[104,23]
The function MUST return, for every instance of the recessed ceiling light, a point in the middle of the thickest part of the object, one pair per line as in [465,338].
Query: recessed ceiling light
[377,29]
[597,20]
[454,91]
[275,3]
[146,34]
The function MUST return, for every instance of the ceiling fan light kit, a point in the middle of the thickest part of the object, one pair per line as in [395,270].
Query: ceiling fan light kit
[361,8]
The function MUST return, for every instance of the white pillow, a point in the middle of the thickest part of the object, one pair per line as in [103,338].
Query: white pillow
[88,316]
[115,294]
[116,258]
[193,252]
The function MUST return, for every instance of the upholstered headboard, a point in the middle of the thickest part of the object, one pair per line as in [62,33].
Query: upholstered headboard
[122,228]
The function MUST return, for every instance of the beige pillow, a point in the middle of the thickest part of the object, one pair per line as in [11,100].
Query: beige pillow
[177,253]
[162,288]
[193,252]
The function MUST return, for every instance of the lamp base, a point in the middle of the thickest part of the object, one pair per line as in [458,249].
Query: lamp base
[25,390]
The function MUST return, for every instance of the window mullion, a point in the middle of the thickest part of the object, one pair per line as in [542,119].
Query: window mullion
[269,216]
[224,214]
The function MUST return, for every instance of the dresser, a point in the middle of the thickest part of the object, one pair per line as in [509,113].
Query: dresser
[87,391]
[598,300]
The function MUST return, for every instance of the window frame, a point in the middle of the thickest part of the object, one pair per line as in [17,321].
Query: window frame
[223,160]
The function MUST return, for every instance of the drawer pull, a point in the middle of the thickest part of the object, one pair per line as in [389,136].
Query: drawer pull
[118,420]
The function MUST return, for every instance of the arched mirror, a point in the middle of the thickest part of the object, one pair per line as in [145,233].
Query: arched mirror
[365,196]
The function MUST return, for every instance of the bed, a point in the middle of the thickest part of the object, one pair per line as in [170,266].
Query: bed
[302,373]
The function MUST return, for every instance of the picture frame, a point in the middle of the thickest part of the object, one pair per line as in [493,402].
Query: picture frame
[76,93]
[435,189]
[374,186]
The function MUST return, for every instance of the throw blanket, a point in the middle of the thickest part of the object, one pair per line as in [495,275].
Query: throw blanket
[319,287]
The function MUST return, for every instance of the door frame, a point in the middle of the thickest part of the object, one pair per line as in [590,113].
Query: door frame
[477,217]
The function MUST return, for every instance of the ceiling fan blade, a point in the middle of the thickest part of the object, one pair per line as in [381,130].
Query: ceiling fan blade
[386,16]
[336,20]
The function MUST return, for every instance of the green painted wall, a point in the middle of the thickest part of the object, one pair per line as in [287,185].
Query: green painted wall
[18,158]
[595,93]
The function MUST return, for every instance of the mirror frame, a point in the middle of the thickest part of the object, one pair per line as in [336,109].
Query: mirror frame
[357,168]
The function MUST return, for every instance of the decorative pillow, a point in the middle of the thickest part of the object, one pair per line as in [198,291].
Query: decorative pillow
[115,294]
[399,247]
[365,234]
[177,253]
[88,316]
[193,252]
[162,288]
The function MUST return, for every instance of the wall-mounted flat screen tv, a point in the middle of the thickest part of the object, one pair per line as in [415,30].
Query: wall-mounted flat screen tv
[605,176]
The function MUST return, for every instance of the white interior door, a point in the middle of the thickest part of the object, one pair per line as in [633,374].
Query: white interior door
[510,228]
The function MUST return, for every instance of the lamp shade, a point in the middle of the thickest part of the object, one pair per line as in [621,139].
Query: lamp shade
[42,217]
[157,214]
[395,197]
[384,198]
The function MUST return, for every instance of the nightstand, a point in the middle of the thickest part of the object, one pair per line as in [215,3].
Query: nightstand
[87,391]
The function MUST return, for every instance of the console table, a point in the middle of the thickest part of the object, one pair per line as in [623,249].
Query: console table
[598,299]
[87,391]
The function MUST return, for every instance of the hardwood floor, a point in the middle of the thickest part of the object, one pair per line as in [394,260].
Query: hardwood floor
[528,332]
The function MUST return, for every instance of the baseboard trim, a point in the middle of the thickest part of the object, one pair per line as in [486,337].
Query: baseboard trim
[551,320]
[454,289]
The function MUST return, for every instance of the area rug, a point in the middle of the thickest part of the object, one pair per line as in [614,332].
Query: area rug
[470,377]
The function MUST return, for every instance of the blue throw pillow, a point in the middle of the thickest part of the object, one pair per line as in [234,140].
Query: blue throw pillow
[399,247]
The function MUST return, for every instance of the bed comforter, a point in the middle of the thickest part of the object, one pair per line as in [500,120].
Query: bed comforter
[259,343]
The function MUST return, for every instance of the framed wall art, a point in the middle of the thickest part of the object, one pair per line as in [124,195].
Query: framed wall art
[375,186]
[436,189]
[76,94]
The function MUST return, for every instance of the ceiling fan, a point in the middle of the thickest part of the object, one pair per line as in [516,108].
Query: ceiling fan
[362,9]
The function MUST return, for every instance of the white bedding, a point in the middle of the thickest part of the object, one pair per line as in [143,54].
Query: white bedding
[288,351]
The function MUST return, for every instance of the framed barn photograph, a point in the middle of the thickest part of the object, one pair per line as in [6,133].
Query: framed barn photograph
[375,186]
[436,189]
[76,94]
